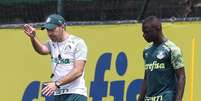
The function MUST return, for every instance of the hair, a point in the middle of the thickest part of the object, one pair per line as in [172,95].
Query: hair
[151,19]
[154,21]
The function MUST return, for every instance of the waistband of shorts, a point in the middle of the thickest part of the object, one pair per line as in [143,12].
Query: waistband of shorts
[61,91]
[154,98]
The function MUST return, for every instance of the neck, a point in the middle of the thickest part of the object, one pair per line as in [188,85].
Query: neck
[161,39]
[64,36]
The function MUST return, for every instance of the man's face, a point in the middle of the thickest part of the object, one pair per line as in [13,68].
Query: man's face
[149,33]
[55,34]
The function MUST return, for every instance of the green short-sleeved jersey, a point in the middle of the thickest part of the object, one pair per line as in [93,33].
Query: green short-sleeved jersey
[160,64]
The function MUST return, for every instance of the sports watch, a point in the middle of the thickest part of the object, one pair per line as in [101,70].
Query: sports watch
[57,83]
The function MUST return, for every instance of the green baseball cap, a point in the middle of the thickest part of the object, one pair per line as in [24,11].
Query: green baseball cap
[53,21]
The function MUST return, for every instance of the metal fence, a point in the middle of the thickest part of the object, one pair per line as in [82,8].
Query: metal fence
[31,11]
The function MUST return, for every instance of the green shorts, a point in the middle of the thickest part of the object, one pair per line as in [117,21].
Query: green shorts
[70,97]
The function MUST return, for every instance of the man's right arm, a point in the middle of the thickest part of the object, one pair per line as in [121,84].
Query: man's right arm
[143,89]
[37,45]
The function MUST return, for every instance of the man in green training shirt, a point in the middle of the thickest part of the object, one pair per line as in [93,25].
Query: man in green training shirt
[164,78]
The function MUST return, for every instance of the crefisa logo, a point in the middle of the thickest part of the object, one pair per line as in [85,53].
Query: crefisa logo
[99,88]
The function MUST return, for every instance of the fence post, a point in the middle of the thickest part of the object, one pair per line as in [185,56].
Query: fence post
[60,7]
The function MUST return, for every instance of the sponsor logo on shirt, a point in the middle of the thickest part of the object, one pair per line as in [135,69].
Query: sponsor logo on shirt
[154,65]
[61,61]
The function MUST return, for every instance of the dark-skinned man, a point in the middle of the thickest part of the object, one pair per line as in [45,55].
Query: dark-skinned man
[164,78]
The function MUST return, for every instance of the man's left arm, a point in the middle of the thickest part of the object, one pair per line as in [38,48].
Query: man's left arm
[178,64]
[181,79]
[76,72]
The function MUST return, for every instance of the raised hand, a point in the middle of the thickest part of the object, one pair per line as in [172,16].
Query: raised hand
[29,30]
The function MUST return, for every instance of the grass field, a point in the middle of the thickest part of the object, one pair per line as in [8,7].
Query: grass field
[20,64]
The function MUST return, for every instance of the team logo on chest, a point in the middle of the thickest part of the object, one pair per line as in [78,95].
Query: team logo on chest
[160,55]
[67,49]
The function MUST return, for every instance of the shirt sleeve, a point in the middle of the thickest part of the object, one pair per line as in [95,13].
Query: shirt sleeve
[81,51]
[177,58]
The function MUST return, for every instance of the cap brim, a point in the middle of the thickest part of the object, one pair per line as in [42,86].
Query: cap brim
[48,26]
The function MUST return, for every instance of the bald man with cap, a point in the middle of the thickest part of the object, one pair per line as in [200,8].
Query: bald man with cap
[68,57]
[164,78]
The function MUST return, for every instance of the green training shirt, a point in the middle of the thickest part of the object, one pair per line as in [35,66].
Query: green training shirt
[160,64]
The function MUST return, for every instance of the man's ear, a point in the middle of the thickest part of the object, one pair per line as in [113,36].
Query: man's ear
[63,26]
